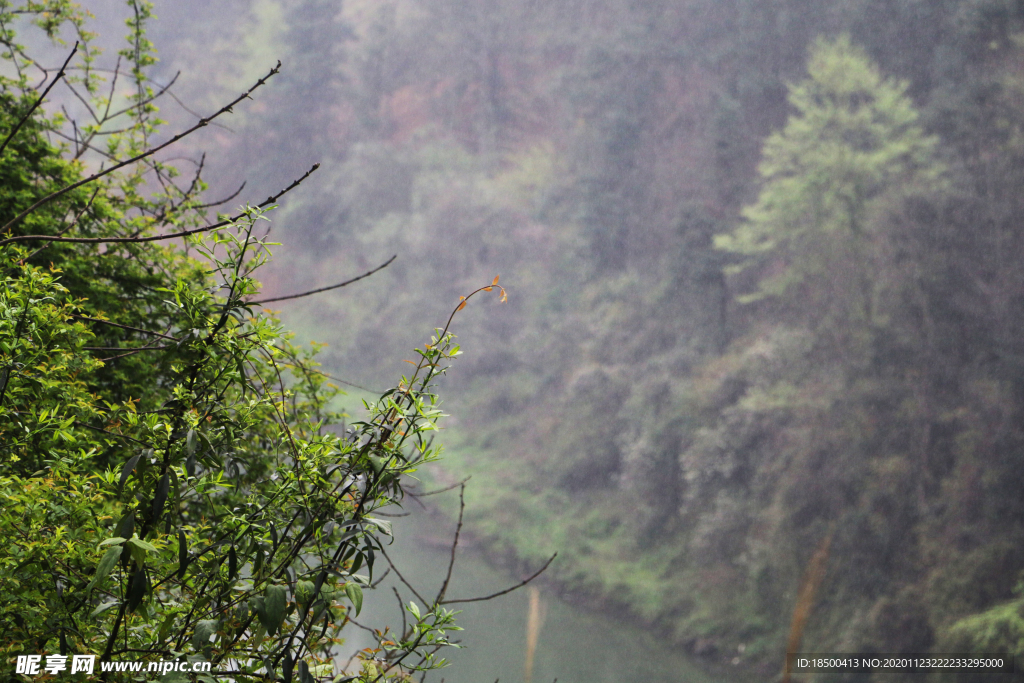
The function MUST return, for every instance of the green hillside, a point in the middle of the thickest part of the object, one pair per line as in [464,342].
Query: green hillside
[763,262]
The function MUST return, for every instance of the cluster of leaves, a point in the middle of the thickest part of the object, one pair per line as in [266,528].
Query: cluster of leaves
[173,483]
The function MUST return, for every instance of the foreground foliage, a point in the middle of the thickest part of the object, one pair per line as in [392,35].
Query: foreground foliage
[176,482]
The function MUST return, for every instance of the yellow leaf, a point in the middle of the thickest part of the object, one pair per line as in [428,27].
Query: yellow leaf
[487,289]
[495,279]
[461,306]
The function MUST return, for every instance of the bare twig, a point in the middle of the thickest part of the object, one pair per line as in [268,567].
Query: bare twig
[122,436]
[85,102]
[135,351]
[507,590]
[223,201]
[455,544]
[71,225]
[345,381]
[125,327]
[123,348]
[382,577]
[402,578]
[21,122]
[445,489]
[165,236]
[325,289]
[401,610]
[147,100]
[150,152]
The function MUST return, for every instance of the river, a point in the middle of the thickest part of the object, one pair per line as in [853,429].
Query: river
[573,644]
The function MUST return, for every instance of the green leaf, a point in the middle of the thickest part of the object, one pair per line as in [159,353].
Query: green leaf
[257,604]
[383,525]
[182,554]
[126,527]
[161,495]
[201,636]
[138,549]
[139,543]
[137,591]
[275,602]
[102,608]
[106,564]
[128,468]
[304,592]
[355,594]
[117,540]
[165,628]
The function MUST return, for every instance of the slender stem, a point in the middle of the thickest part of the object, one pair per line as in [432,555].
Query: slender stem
[507,590]
[165,236]
[150,152]
[21,122]
[327,289]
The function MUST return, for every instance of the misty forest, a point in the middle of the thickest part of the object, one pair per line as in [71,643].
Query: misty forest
[751,370]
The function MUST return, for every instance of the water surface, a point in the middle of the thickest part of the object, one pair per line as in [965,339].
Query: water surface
[574,645]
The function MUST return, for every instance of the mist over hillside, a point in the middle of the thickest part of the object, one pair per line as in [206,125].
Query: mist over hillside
[763,263]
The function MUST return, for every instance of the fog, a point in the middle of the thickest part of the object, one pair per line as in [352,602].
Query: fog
[765,301]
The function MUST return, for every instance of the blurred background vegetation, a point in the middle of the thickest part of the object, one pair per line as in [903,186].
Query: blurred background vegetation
[764,272]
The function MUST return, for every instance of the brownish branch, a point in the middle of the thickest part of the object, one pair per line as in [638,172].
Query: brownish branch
[455,544]
[227,109]
[21,122]
[324,289]
[507,590]
[165,236]
[125,327]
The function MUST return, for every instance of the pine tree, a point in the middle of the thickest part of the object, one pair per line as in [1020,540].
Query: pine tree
[853,144]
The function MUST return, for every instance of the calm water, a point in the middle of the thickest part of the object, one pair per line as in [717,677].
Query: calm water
[574,645]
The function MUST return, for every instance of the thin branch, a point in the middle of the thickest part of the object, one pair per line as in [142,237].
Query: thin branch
[325,289]
[35,106]
[383,576]
[445,489]
[85,102]
[150,152]
[145,101]
[402,578]
[345,381]
[122,436]
[165,236]
[65,230]
[401,610]
[223,201]
[507,590]
[187,109]
[125,348]
[133,352]
[455,544]
[164,91]
[125,327]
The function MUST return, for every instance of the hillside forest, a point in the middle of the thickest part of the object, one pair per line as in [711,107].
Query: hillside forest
[765,296]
